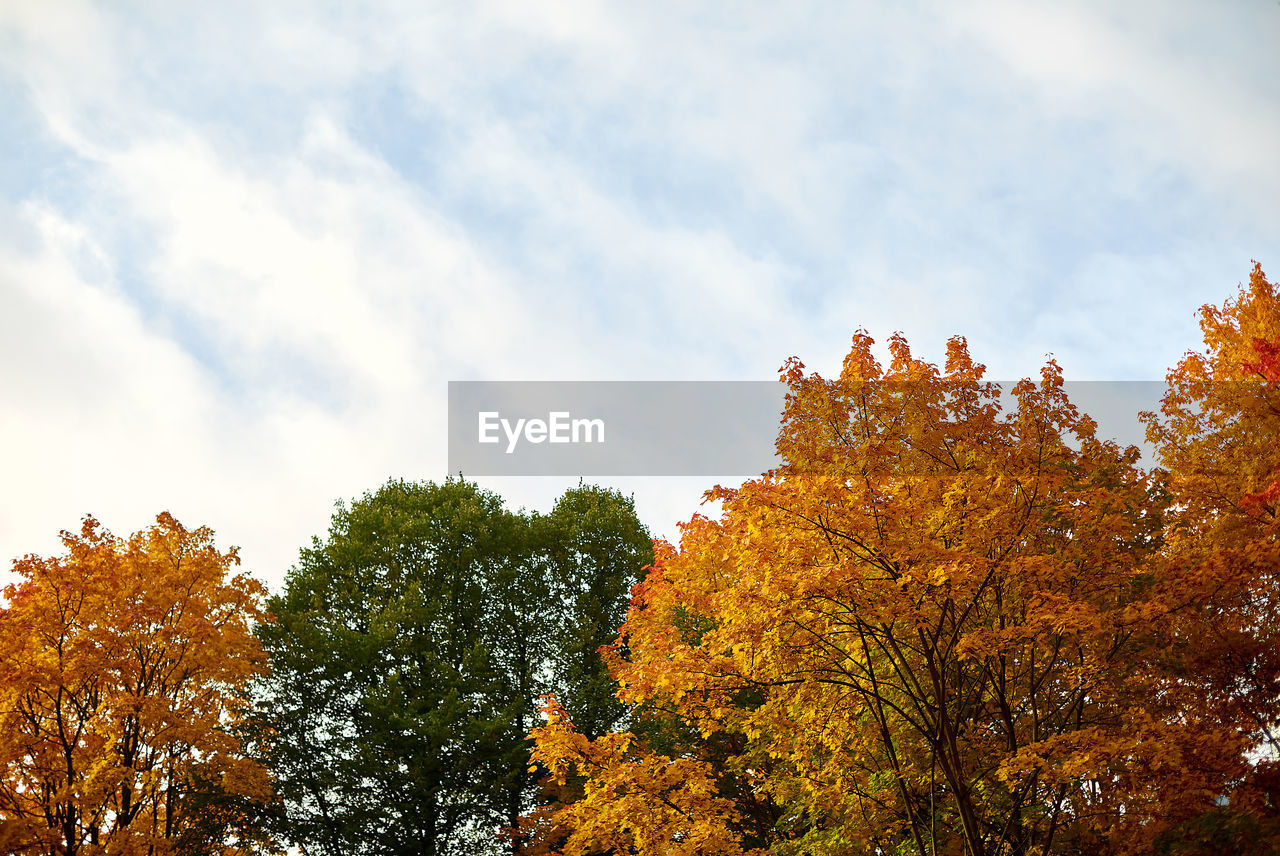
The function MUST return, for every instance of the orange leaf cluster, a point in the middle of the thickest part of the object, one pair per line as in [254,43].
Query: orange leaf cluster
[124,668]
[954,621]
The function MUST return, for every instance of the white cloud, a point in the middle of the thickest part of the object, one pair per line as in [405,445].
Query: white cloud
[1157,74]
[286,229]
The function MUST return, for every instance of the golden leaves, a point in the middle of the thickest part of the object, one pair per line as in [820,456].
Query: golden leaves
[939,618]
[633,800]
[125,663]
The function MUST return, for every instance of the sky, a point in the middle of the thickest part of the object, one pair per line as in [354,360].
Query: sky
[245,246]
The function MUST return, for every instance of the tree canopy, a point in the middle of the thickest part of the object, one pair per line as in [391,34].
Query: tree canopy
[124,667]
[410,650]
[954,620]
[950,625]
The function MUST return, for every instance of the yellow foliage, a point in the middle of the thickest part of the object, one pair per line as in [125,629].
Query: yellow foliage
[123,669]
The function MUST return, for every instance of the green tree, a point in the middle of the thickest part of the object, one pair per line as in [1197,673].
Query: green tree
[594,546]
[410,650]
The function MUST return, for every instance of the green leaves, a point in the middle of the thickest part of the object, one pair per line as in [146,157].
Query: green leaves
[411,647]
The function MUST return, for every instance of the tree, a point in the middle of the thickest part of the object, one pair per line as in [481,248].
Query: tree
[1217,436]
[409,652]
[938,627]
[123,675]
[589,551]
[595,550]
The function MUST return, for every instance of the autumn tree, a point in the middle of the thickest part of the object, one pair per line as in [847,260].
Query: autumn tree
[123,674]
[951,623]
[1218,435]
[411,648]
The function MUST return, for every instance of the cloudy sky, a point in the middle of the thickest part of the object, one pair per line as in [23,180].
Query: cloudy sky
[244,246]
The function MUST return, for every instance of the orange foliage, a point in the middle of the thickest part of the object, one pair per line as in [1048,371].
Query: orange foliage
[123,671]
[950,625]
[1219,436]
[636,801]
